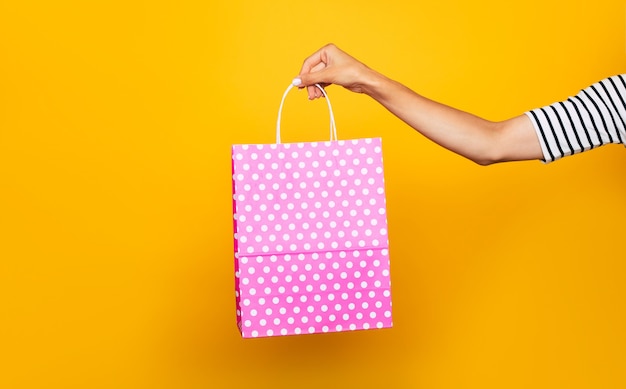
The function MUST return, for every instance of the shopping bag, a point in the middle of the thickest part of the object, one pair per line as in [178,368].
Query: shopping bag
[310,236]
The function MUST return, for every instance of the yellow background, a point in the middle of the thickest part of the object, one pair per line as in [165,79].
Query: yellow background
[116,121]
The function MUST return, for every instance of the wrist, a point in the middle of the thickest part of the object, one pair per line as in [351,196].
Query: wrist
[373,83]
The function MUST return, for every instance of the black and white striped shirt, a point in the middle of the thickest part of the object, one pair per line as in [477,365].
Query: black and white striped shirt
[594,117]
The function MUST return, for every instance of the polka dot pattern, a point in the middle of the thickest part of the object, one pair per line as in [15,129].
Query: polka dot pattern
[311,243]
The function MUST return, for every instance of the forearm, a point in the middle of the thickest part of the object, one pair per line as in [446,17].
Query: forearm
[477,139]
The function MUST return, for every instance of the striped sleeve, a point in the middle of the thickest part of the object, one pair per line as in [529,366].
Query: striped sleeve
[594,117]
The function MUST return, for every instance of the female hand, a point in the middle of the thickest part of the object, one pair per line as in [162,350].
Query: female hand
[330,65]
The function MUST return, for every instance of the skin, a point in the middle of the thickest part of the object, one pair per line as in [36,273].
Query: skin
[482,141]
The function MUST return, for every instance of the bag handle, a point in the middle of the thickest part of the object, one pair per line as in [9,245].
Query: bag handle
[333,126]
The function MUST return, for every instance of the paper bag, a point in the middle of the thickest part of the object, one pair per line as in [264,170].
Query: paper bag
[310,230]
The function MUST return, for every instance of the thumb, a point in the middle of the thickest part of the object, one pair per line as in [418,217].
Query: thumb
[322,77]
[309,80]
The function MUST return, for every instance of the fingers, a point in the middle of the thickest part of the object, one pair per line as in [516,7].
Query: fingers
[316,76]
[330,65]
[315,59]
[312,72]
[324,67]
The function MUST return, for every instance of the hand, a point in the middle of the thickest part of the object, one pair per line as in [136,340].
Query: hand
[330,65]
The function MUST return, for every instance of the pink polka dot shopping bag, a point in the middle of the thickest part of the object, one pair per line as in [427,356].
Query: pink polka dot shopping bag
[310,231]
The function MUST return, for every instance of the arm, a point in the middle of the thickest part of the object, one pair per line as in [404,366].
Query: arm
[480,140]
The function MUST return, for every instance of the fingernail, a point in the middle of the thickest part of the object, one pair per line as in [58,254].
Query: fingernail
[296,82]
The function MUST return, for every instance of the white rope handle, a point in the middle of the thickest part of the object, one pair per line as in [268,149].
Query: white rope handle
[333,126]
